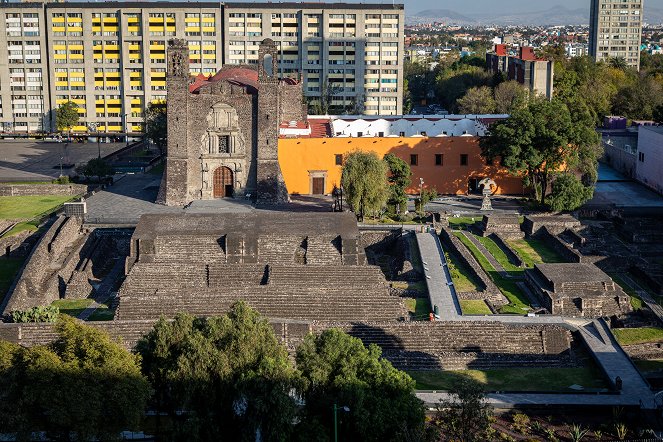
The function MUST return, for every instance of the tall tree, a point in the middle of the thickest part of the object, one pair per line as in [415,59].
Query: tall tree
[66,116]
[229,373]
[339,370]
[509,96]
[465,416]
[639,100]
[568,193]
[536,142]
[156,124]
[399,180]
[83,386]
[364,181]
[478,100]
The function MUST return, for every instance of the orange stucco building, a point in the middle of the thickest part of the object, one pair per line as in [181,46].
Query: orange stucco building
[452,165]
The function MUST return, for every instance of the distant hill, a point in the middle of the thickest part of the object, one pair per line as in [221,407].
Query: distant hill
[445,15]
[556,15]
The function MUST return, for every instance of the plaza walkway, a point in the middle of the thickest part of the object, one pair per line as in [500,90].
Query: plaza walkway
[607,353]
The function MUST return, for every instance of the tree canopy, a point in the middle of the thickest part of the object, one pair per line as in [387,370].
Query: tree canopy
[464,417]
[96,167]
[83,384]
[538,141]
[339,369]
[477,100]
[229,373]
[364,181]
[399,180]
[66,116]
[156,124]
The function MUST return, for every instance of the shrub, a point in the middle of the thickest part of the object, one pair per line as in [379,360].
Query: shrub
[521,423]
[62,179]
[36,314]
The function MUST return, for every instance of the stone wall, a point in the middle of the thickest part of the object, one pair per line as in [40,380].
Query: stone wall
[464,345]
[42,189]
[506,225]
[506,248]
[569,254]
[456,246]
[40,282]
[555,224]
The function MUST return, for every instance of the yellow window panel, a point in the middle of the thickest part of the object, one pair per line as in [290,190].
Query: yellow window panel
[112,83]
[59,47]
[58,19]
[57,28]
[158,83]
[191,20]
[77,83]
[60,56]
[99,83]
[61,83]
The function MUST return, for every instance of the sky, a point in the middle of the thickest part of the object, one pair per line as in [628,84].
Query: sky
[492,6]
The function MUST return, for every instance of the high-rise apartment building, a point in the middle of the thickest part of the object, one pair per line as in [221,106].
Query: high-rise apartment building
[616,30]
[110,57]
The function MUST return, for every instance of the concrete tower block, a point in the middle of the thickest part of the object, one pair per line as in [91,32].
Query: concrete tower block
[174,184]
[271,186]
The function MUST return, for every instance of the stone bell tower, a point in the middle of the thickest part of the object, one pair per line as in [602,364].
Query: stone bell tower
[174,184]
[270,186]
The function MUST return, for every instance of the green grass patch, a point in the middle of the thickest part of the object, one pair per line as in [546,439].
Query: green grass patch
[518,301]
[31,206]
[415,256]
[8,269]
[534,251]
[462,278]
[418,286]
[498,254]
[514,379]
[158,169]
[474,307]
[630,336]
[652,366]
[23,226]
[72,307]
[636,301]
[418,307]
[462,222]
[103,313]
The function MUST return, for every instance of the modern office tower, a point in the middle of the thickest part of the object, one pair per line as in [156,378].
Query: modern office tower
[616,30]
[110,57]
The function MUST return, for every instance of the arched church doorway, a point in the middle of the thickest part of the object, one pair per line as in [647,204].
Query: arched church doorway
[223,182]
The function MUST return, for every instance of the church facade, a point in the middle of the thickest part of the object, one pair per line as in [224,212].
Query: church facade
[223,130]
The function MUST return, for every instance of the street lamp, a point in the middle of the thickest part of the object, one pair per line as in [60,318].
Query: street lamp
[336,408]
[421,194]
[126,128]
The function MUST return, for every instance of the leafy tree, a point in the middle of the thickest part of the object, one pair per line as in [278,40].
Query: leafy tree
[419,84]
[568,193]
[465,416]
[96,167]
[156,124]
[399,180]
[658,114]
[639,100]
[66,116]
[478,100]
[83,386]
[427,195]
[339,369]
[364,181]
[509,96]
[229,373]
[536,142]
[618,63]
[453,83]
[36,314]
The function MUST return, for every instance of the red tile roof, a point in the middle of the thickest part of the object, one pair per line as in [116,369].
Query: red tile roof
[239,76]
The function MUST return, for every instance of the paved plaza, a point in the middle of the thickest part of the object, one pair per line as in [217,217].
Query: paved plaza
[22,160]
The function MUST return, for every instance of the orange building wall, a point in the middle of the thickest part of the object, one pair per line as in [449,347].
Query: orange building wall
[299,156]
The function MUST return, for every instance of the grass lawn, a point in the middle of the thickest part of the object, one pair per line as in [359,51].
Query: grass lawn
[29,207]
[72,307]
[518,301]
[514,379]
[418,286]
[8,269]
[534,251]
[498,254]
[419,307]
[103,313]
[628,336]
[649,366]
[415,257]
[474,307]
[23,226]
[461,276]
[462,222]
[636,301]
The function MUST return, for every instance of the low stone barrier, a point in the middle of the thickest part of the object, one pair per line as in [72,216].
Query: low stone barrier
[42,189]
[508,251]
[559,246]
[554,224]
